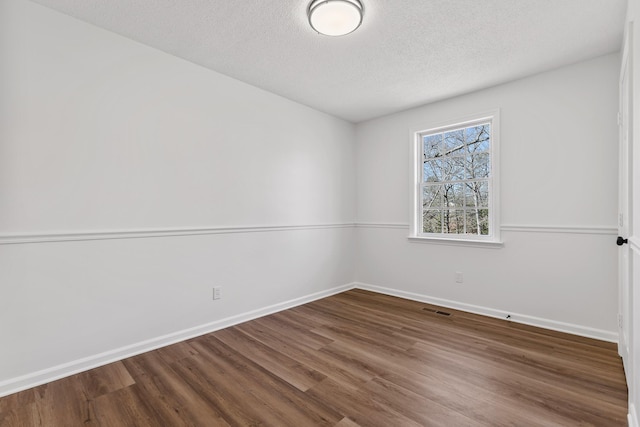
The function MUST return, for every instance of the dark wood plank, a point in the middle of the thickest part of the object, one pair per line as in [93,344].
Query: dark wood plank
[177,402]
[62,402]
[346,422]
[415,406]
[274,400]
[105,379]
[16,400]
[175,352]
[337,369]
[359,406]
[353,359]
[296,330]
[279,364]
[127,408]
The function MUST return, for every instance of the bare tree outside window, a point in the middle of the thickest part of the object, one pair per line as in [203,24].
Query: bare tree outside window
[456,171]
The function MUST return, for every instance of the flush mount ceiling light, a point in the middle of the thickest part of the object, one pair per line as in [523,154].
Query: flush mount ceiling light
[335,17]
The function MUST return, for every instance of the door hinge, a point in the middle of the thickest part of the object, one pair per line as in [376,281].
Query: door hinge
[619,119]
[621,220]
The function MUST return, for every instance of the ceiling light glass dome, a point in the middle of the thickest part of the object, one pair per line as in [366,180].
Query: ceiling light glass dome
[335,17]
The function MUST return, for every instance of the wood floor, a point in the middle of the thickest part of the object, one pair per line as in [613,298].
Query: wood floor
[354,359]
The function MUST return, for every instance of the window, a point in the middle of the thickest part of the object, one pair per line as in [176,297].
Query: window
[455,185]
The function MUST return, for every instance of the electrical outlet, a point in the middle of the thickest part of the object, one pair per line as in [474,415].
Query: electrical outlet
[217,292]
[459,278]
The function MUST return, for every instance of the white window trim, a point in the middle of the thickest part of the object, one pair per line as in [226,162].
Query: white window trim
[493,240]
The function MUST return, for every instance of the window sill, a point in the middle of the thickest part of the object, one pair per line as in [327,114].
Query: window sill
[457,242]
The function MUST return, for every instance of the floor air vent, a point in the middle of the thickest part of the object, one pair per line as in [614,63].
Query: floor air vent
[441,313]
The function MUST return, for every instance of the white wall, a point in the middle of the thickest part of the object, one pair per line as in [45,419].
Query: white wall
[100,135]
[558,204]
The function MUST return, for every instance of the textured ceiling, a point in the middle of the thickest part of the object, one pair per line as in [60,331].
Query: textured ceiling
[406,53]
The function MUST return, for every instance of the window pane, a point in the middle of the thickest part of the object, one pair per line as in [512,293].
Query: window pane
[453,195]
[472,222]
[478,138]
[432,145]
[454,143]
[432,196]
[476,194]
[453,221]
[456,171]
[453,168]
[432,221]
[478,166]
[483,216]
[432,170]
[478,222]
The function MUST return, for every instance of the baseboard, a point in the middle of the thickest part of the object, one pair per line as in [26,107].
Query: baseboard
[632,416]
[499,314]
[14,385]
